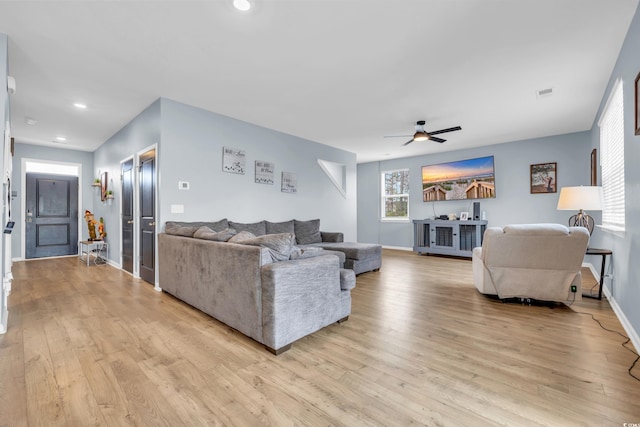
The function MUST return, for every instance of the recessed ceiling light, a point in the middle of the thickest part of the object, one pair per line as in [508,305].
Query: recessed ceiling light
[242,5]
[80,105]
[30,121]
[60,138]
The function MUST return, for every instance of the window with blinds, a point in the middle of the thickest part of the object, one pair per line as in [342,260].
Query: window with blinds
[612,159]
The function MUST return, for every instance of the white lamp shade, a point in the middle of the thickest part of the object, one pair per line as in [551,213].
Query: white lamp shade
[576,198]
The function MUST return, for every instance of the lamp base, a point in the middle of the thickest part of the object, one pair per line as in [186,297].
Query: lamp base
[582,220]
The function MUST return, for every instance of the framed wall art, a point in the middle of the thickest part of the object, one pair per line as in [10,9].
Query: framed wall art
[543,178]
[103,186]
[264,172]
[289,182]
[233,160]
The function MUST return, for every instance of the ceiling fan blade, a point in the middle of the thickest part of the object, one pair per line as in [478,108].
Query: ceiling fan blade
[396,136]
[436,132]
[408,142]
[436,139]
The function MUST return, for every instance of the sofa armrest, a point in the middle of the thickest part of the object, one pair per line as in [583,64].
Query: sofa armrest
[299,297]
[333,237]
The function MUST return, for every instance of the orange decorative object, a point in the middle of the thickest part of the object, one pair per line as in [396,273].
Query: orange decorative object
[91,224]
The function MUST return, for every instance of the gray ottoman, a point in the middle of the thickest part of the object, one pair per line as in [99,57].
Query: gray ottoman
[360,257]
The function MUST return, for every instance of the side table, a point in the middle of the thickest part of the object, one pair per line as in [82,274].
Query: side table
[96,248]
[603,253]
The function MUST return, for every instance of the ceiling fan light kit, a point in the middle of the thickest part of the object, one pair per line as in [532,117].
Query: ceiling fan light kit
[422,135]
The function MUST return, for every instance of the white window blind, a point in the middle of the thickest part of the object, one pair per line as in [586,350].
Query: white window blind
[612,159]
[395,195]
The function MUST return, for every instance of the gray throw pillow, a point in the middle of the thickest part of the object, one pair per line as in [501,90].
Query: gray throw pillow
[307,232]
[279,245]
[257,228]
[221,225]
[177,228]
[242,236]
[206,233]
[280,227]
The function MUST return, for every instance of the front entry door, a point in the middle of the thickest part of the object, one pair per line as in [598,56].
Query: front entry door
[51,227]
[148,216]
[127,216]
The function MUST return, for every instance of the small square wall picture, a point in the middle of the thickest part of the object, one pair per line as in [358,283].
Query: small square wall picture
[543,178]
[233,160]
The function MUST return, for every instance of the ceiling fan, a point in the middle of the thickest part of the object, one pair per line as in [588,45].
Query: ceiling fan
[422,135]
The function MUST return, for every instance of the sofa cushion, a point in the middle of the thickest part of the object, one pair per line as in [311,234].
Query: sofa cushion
[279,245]
[185,229]
[181,228]
[221,225]
[307,232]
[306,252]
[256,228]
[280,227]
[241,236]
[206,233]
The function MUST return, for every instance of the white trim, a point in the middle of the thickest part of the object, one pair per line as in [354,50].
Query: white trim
[133,161]
[337,173]
[23,199]
[136,209]
[384,196]
[631,333]
[628,327]
[398,248]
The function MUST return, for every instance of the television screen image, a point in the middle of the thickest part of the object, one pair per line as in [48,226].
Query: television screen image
[464,179]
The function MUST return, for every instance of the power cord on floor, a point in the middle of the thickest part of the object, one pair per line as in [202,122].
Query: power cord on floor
[624,344]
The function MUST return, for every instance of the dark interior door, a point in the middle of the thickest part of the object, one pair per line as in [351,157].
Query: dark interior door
[127,216]
[51,227]
[148,216]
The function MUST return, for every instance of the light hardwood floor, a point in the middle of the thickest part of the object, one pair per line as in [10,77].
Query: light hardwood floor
[93,346]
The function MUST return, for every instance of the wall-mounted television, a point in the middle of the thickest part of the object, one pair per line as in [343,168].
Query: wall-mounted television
[464,179]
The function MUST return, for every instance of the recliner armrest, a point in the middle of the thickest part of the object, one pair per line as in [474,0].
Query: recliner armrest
[332,237]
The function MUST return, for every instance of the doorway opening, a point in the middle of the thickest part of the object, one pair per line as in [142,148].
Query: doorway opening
[50,206]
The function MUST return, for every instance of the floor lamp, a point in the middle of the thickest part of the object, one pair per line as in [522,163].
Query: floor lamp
[581,199]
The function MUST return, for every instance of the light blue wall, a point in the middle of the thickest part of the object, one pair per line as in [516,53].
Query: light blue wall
[625,285]
[47,154]
[513,202]
[190,142]
[191,150]
[142,132]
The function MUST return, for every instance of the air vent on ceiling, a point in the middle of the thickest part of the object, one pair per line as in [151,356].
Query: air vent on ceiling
[544,93]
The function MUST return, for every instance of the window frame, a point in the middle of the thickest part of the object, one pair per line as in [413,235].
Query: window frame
[384,196]
[612,170]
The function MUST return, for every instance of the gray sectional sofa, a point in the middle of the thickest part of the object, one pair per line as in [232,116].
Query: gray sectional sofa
[266,286]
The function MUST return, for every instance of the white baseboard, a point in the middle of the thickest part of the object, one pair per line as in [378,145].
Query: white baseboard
[631,333]
[397,248]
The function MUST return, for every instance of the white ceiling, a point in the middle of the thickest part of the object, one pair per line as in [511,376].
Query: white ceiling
[343,73]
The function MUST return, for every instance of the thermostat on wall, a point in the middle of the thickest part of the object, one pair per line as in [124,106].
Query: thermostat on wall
[183,185]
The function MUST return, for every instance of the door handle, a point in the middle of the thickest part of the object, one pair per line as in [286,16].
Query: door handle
[151,224]
[130,222]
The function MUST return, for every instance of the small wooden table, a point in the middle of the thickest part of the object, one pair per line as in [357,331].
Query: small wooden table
[603,253]
[96,248]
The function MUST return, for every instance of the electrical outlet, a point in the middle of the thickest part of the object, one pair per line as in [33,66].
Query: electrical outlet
[574,288]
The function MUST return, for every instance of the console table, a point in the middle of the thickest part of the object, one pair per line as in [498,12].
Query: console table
[443,237]
[603,253]
[94,248]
